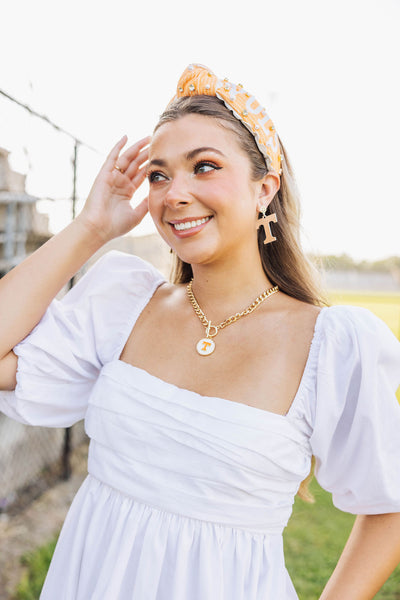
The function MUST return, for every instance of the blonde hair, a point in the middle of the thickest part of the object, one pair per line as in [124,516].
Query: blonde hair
[283,261]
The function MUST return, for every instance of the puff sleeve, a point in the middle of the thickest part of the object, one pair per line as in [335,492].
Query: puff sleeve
[356,416]
[59,361]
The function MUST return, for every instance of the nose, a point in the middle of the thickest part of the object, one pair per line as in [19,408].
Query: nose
[178,193]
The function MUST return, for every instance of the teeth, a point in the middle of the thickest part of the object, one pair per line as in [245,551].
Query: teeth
[190,224]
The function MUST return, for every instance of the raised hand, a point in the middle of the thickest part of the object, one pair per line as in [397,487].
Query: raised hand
[107,211]
[27,290]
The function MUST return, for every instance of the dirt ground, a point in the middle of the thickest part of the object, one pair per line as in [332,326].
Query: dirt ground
[36,524]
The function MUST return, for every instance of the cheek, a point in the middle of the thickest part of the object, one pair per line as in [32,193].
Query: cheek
[156,216]
[156,211]
[217,194]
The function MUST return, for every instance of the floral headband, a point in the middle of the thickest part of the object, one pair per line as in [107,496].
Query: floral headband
[198,80]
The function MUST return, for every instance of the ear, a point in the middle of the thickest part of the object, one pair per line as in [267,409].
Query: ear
[269,187]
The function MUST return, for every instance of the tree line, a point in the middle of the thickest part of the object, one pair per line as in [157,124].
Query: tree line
[344,262]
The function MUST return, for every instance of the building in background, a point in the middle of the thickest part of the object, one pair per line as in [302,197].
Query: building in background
[22,228]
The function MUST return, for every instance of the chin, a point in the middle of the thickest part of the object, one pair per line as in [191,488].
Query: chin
[195,257]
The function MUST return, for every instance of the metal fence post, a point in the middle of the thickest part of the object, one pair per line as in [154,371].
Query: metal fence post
[66,450]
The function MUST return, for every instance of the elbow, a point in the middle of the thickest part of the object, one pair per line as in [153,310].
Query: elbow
[8,372]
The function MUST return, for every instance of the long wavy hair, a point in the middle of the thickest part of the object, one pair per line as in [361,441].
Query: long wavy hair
[283,261]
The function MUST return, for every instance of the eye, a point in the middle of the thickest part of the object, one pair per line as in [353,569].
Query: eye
[155,177]
[204,166]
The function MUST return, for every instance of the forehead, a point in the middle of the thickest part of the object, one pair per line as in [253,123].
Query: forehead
[190,131]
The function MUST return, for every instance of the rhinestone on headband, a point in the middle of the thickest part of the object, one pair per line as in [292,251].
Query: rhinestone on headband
[199,80]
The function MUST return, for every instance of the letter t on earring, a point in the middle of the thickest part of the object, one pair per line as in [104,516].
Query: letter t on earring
[264,221]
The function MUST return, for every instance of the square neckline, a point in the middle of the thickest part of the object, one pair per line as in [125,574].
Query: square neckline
[129,366]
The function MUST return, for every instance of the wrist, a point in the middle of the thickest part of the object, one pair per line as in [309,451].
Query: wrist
[91,234]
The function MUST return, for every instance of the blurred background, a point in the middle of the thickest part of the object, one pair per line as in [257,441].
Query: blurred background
[75,76]
[327,73]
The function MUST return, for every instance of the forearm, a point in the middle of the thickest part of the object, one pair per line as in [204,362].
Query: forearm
[369,557]
[27,290]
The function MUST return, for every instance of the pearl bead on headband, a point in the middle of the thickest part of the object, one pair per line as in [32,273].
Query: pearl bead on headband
[198,80]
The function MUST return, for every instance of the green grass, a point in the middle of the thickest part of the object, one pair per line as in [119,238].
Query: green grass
[314,539]
[384,306]
[37,564]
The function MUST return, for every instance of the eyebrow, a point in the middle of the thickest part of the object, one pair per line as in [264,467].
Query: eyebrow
[190,155]
[159,162]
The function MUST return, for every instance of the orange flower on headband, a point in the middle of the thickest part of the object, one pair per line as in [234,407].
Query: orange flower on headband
[198,80]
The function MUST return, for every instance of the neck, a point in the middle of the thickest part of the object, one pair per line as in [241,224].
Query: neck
[222,288]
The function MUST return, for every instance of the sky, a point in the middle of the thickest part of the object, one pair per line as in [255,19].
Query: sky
[327,72]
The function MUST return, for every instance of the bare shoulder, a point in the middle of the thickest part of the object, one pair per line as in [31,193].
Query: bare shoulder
[168,294]
[297,310]
[168,290]
[295,321]
[167,301]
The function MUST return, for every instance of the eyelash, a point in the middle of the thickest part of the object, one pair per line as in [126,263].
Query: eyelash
[151,176]
[206,163]
[197,165]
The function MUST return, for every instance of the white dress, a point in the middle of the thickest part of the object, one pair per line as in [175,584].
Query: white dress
[187,495]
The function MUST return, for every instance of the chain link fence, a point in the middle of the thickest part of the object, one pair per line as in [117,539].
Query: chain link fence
[35,202]
[31,459]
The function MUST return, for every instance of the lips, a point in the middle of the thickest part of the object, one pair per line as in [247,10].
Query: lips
[185,227]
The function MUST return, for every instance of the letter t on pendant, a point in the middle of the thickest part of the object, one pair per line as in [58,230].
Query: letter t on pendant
[264,221]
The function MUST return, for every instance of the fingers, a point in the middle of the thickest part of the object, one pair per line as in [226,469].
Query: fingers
[113,155]
[130,161]
[133,177]
[139,177]
[133,166]
[133,151]
[130,155]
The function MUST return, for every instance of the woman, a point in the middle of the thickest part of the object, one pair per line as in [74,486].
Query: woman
[205,398]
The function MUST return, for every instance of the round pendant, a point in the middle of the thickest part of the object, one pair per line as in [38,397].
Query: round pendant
[205,346]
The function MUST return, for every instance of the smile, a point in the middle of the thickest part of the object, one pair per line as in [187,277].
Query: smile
[187,225]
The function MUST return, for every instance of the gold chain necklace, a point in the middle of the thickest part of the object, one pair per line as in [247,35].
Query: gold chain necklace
[207,345]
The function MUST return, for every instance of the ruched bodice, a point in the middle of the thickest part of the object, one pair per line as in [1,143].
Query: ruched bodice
[220,461]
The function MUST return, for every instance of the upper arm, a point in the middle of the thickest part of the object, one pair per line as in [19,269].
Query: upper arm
[355,414]
[60,360]
[8,371]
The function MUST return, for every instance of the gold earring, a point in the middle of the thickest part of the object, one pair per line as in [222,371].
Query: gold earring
[265,221]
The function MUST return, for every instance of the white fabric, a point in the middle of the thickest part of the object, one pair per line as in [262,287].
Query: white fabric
[187,496]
